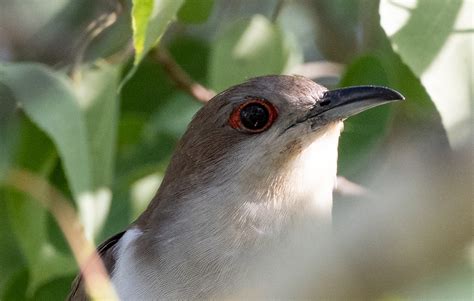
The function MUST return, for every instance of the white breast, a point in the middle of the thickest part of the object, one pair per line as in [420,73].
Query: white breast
[126,277]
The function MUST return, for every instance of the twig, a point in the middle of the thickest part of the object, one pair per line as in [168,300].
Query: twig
[95,275]
[95,28]
[277,10]
[182,80]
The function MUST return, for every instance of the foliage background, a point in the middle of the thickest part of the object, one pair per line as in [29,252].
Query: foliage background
[97,120]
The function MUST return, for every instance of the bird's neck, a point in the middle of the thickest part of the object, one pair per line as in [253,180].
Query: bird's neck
[213,232]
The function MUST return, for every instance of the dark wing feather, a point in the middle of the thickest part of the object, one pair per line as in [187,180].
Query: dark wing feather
[105,251]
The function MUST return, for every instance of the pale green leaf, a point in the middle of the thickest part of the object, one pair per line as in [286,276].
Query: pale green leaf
[49,102]
[150,19]
[425,32]
[84,137]
[98,98]
[433,38]
[248,49]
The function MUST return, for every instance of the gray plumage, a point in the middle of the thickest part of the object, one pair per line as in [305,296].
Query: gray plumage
[229,196]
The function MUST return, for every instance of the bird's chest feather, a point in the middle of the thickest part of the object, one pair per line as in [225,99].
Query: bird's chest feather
[216,238]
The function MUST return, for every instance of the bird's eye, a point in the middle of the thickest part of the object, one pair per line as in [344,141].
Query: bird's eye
[253,116]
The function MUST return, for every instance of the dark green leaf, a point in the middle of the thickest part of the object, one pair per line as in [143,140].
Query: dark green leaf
[363,132]
[11,259]
[17,286]
[195,11]
[28,220]
[8,128]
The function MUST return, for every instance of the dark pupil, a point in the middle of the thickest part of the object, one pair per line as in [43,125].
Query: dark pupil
[254,116]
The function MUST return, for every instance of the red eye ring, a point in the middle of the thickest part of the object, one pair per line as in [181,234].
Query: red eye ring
[253,116]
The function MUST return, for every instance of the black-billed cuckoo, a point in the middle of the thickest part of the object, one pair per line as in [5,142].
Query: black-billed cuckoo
[257,159]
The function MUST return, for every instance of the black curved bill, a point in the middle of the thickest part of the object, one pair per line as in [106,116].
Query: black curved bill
[346,102]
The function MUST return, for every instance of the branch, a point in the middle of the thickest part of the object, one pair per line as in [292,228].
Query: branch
[97,281]
[182,80]
[94,29]
[277,10]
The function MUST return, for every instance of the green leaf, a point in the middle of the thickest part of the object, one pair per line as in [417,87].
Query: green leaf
[195,11]
[150,19]
[97,96]
[11,259]
[8,129]
[247,49]
[172,118]
[50,103]
[436,49]
[84,136]
[414,123]
[364,132]
[28,220]
[421,38]
[415,127]
[16,287]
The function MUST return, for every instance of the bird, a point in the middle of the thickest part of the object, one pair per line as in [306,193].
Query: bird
[256,160]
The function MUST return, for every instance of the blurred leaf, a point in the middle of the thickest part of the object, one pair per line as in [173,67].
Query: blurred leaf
[16,287]
[150,19]
[430,23]
[419,109]
[28,220]
[11,259]
[115,39]
[56,289]
[363,132]
[248,49]
[85,140]
[192,55]
[150,93]
[433,47]
[416,123]
[97,94]
[8,128]
[145,142]
[195,11]
[173,117]
[337,27]
[454,283]
[50,103]
[32,140]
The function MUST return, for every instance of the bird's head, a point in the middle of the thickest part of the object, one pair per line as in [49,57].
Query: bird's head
[270,135]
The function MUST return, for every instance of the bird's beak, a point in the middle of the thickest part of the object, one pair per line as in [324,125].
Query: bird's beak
[346,102]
